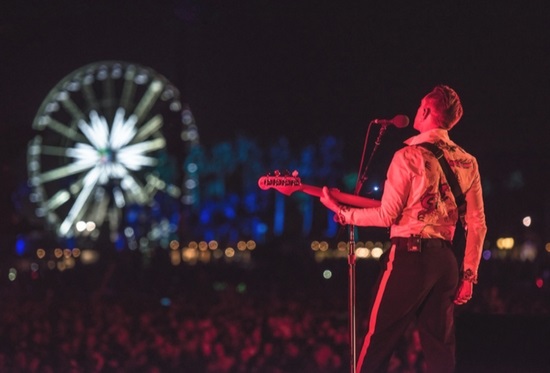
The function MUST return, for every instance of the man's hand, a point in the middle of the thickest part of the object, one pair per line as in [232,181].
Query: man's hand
[327,200]
[464,292]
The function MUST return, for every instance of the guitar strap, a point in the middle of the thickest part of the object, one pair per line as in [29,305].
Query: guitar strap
[451,179]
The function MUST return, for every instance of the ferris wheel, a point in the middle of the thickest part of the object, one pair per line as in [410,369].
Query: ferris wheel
[110,137]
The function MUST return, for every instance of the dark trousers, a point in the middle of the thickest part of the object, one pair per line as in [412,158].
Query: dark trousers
[413,286]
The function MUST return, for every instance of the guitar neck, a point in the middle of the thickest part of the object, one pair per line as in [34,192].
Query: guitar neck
[345,198]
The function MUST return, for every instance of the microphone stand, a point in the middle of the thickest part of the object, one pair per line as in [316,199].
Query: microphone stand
[361,178]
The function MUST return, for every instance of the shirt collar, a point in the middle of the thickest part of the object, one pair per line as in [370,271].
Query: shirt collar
[429,136]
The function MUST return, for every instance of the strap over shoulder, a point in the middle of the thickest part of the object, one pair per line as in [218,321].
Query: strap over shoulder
[451,177]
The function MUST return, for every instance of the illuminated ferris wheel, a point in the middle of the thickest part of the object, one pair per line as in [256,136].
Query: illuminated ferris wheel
[110,138]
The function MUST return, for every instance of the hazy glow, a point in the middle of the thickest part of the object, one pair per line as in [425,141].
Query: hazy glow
[362,252]
[505,243]
[377,252]
[527,221]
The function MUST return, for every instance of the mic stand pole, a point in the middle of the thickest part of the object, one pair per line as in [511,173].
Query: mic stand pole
[352,260]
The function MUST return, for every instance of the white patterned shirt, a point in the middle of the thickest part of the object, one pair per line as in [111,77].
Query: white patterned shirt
[417,199]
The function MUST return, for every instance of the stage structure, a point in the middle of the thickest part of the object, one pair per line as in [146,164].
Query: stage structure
[106,159]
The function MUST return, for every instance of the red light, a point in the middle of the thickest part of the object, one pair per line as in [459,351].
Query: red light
[539,282]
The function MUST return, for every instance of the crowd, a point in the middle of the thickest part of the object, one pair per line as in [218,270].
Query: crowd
[276,316]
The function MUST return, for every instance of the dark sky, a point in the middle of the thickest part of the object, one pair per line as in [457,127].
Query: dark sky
[271,68]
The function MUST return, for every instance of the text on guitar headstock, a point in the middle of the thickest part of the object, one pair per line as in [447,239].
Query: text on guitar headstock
[286,184]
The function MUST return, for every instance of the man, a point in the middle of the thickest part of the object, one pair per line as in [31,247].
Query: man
[420,278]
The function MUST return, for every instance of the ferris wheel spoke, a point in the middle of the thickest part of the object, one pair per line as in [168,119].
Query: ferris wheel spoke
[72,108]
[154,183]
[62,172]
[88,93]
[61,129]
[82,201]
[147,101]
[143,147]
[134,190]
[153,125]
[99,213]
[100,129]
[129,88]
[53,150]
[108,91]
[123,131]
[85,153]
[57,200]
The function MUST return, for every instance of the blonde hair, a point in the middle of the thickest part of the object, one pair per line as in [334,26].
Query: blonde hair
[445,105]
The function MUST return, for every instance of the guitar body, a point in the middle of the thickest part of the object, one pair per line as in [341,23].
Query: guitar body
[292,183]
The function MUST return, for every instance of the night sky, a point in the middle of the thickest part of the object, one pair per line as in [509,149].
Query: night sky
[302,69]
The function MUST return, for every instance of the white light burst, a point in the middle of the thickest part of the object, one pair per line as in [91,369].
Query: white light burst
[111,153]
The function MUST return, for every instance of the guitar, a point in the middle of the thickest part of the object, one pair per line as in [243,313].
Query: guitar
[292,183]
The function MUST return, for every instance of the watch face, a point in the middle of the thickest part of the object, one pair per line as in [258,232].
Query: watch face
[107,155]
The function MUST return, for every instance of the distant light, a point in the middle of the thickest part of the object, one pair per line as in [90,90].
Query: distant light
[241,288]
[327,274]
[81,226]
[12,274]
[527,221]
[186,117]
[190,184]
[314,245]
[377,252]
[189,254]
[528,251]
[175,106]
[89,256]
[128,232]
[362,252]
[376,188]
[539,282]
[547,247]
[342,246]
[20,246]
[230,252]
[175,257]
[166,302]
[487,254]
[505,243]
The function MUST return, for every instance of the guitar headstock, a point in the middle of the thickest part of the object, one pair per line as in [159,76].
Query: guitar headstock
[286,184]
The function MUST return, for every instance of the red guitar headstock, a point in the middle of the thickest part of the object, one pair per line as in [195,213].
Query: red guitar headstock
[286,184]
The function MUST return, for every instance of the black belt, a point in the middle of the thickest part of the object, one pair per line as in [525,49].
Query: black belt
[437,243]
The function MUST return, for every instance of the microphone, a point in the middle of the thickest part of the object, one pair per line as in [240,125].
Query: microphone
[400,121]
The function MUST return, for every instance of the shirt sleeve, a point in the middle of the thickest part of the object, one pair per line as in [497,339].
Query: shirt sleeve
[476,227]
[394,197]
